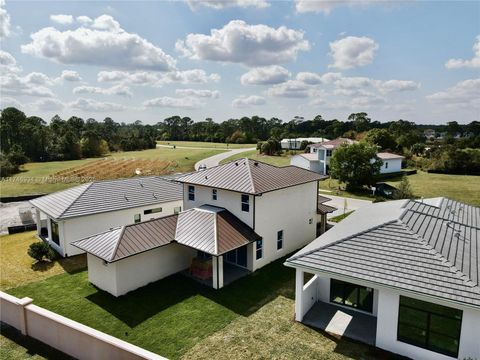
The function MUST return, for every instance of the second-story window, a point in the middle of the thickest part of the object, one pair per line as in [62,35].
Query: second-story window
[280,240]
[245,203]
[329,152]
[214,194]
[259,249]
[386,165]
[191,193]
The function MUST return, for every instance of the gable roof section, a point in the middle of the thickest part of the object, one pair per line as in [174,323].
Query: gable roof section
[251,177]
[111,195]
[414,247]
[333,144]
[322,208]
[389,156]
[209,229]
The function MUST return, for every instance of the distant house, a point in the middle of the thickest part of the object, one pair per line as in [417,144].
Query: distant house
[430,134]
[88,209]
[295,143]
[318,159]
[237,218]
[401,275]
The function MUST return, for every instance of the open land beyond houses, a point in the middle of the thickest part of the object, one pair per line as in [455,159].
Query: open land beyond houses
[32,178]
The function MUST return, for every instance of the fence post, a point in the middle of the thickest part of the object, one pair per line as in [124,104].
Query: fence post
[23,318]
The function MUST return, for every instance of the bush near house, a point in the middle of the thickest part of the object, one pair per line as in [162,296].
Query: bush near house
[41,251]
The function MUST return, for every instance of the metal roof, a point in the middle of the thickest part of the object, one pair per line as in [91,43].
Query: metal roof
[251,177]
[389,156]
[322,208]
[110,195]
[209,229]
[427,247]
[333,144]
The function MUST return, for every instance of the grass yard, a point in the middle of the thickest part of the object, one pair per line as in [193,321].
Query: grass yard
[17,268]
[282,160]
[178,318]
[31,179]
[201,144]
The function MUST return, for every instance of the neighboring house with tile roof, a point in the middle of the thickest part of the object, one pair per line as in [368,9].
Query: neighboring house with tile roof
[87,209]
[237,217]
[411,268]
[318,159]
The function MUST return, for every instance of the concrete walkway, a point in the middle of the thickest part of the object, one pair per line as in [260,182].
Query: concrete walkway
[215,159]
[339,203]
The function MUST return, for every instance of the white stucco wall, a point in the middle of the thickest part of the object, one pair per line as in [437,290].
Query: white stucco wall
[387,329]
[304,163]
[80,227]
[131,273]
[394,165]
[230,200]
[289,210]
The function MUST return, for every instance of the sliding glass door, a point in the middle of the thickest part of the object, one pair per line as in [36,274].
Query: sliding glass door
[352,295]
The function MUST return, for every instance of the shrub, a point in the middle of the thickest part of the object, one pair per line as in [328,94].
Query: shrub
[39,251]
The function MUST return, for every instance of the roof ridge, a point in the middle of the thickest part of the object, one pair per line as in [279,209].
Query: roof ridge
[78,197]
[114,252]
[250,174]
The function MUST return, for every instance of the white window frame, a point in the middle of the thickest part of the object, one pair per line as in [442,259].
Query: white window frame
[280,239]
[246,203]
[259,248]
[191,191]
[214,194]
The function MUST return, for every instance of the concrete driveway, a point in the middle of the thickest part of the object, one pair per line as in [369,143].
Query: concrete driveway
[215,159]
[339,203]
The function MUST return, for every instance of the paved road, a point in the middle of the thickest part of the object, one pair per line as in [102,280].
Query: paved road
[339,203]
[215,159]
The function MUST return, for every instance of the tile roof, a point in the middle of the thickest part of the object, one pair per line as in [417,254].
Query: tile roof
[209,229]
[389,156]
[111,195]
[429,247]
[333,144]
[322,208]
[251,177]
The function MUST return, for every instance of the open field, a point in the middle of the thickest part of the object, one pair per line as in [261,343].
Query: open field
[201,144]
[17,268]
[181,319]
[282,160]
[31,180]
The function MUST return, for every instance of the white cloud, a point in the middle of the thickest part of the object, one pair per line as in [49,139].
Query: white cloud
[290,89]
[174,103]
[464,94]
[84,19]
[120,90]
[70,75]
[4,21]
[111,47]
[267,75]
[248,101]
[8,64]
[239,42]
[146,78]
[472,63]
[326,6]
[213,94]
[317,79]
[399,85]
[62,19]
[15,85]
[48,104]
[89,105]
[352,51]
[37,78]
[6,101]
[222,4]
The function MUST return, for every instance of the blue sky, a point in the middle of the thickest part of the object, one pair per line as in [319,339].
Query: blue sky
[414,60]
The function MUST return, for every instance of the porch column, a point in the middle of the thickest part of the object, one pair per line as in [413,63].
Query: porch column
[324,223]
[217,272]
[38,220]
[299,295]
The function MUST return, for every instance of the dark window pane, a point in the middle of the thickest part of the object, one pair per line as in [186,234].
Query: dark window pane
[443,344]
[351,294]
[413,317]
[412,335]
[445,326]
[365,299]
[336,291]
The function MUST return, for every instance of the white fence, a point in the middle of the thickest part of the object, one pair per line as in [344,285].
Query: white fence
[66,335]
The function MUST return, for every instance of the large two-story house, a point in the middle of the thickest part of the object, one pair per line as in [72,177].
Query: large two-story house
[237,218]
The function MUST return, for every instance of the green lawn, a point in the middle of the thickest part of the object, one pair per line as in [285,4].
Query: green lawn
[178,318]
[33,172]
[282,160]
[201,144]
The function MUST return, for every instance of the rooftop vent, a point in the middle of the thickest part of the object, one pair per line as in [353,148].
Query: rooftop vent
[141,183]
[206,177]
[236,163]
[255,163]
[125,196]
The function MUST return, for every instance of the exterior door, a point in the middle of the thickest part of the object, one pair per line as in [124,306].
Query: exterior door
[237,256]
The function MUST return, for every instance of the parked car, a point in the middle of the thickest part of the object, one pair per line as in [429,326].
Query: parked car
[385,190]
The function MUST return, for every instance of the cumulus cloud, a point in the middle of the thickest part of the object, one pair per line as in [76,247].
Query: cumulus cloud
[465,94]
[89,105]
[84,19]
[213,94]
[4,21]
[399,85]
[6,101]
[187,103]
[248,101]
[106,44]
[144,78]
[70,75]
[251,45]
[290,89]
[29,85]
[62,19]
[119,90]
[472,63]
[8,64]
[326,6]
[48,104]
[352,51]
[267,75]
[317,79]
[222,4]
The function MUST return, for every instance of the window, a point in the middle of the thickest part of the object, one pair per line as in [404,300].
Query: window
[259,249]
[310,221]
[322,154]
[280,240]
[152,211]
[329,152]
[314,150]
[245,203]
[55,233]
[352,295]
[214,194]
[191,193]
[177,209]
[137,218]
[429,326]
[386,165]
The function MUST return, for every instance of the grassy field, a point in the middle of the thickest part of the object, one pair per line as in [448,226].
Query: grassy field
[181,319]
[200,144]
[185,159]
[282,160]
[17,268]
